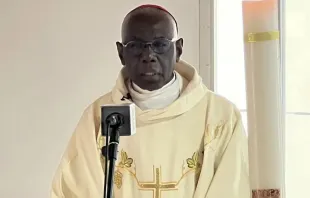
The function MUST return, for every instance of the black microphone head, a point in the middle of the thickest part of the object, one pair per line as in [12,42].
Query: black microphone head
[122,115]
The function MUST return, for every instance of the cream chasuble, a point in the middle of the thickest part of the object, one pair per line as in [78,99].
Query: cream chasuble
[194,148]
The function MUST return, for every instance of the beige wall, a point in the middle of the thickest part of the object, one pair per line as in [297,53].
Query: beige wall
[56,57]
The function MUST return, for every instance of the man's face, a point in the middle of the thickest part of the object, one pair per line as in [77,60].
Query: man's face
[150,66]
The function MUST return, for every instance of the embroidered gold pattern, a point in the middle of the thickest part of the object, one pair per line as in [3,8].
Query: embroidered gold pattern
[125,161]
[158,186]
[118,179]
[213,133]
[100,144]
[193,165]
[193,162]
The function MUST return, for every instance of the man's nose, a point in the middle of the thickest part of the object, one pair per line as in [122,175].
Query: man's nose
[148,55]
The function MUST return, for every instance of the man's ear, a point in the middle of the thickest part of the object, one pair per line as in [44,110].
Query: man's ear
[179,49]
[120,49]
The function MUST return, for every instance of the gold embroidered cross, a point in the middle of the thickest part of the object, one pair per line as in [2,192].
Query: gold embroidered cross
[157,186]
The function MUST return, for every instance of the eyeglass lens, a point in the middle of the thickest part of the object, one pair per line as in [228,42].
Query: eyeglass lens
[158,46]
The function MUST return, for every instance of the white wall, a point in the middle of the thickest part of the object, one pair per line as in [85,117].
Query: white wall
[56,57]
[297,136]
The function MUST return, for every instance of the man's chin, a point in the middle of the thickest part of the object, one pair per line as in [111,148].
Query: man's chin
[154,78]
[150,84]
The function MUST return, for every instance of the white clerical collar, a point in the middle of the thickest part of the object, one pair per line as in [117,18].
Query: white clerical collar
[156,99]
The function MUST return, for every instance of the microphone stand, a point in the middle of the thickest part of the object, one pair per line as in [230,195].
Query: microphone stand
[113,124]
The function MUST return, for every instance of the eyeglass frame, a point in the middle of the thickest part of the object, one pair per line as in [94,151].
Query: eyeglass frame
[149,44]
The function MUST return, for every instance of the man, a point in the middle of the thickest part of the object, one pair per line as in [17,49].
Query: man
[190,142]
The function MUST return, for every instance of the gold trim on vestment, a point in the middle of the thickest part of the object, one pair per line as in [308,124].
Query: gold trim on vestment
[127,164]
[157,185]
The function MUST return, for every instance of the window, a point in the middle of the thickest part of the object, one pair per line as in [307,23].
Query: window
[230,71]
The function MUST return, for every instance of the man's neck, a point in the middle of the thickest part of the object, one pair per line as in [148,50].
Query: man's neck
[141,90]
[155,86]
[159,98]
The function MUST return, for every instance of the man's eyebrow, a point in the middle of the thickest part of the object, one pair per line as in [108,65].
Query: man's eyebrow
[159,37]
[137,38]
[140,39]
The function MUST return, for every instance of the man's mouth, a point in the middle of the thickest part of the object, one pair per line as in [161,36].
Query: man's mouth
[150,74]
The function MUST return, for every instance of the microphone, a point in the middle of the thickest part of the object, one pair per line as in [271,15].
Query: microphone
[122,115]
[116,121]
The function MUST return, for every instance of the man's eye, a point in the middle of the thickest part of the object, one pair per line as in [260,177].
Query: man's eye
[133,45]
[159,44]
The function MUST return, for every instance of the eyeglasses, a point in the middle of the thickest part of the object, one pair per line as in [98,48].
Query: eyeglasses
[159,46]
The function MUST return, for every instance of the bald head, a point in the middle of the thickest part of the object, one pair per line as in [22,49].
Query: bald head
[149,49]
[149,18]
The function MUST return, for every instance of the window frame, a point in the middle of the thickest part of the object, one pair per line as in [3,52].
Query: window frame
[207,42]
